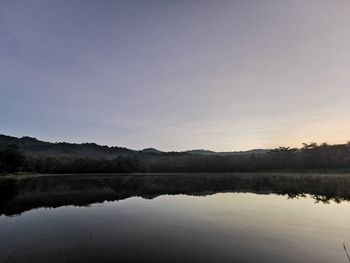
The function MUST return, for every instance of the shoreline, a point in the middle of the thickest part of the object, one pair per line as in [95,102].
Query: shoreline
[150,174]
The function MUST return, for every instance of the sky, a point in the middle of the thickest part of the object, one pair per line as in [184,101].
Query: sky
[176,75]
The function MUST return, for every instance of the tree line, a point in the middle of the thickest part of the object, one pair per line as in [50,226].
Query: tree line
[310,156]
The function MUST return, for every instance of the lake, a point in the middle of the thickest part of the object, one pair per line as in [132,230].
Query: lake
[175,218]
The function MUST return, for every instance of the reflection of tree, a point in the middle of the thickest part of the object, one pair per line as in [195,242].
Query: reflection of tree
[296,196]
[345,246]
[318,198]
[51,191]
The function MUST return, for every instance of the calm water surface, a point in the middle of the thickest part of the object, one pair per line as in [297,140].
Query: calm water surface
[223,227]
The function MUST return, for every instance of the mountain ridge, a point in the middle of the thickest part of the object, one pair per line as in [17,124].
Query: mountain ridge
[34,147]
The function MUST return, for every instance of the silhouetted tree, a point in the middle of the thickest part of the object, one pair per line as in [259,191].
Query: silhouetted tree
[11,159]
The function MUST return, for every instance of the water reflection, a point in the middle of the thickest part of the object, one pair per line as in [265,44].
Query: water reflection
[19,194]
[225,227]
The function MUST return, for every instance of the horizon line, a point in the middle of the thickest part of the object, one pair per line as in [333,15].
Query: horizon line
[179,151]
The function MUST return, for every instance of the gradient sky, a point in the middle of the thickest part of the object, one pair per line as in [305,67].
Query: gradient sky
[176,75]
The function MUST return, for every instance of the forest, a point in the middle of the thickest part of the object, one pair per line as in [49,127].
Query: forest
[14,158]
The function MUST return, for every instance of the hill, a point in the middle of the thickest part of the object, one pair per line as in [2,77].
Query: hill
[31,155]
[36,148]
[212,153]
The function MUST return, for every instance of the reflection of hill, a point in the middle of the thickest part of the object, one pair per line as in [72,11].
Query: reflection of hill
[21,194]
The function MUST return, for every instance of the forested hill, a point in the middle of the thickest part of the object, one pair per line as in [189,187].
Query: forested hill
[35,148]
[31,155]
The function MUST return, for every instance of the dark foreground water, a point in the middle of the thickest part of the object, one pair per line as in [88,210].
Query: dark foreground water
[258,218]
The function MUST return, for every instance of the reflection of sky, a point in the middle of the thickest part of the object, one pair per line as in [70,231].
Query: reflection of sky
[228,226]
[176,74]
